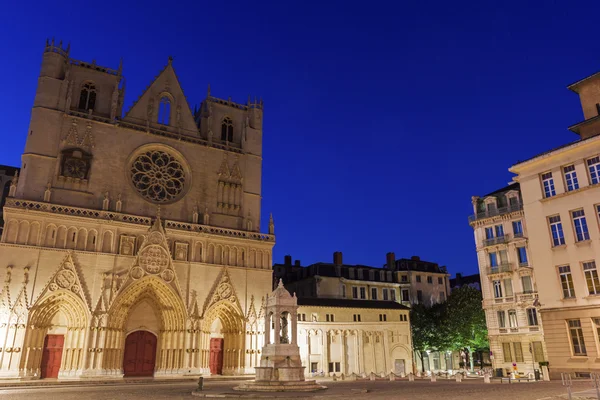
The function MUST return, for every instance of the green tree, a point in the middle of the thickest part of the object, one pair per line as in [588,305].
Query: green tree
[429,329]
[465,320]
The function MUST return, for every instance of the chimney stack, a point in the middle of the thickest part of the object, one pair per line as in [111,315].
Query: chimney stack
[287,261]
[297,263]
[390,259]
[337,258]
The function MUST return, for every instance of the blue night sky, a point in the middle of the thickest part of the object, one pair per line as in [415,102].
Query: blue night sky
[382,119]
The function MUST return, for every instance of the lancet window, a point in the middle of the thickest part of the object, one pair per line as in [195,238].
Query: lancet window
[227,129]
[87,97]
[164,111]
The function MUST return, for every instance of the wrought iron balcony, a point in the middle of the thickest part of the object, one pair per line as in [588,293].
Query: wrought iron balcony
[496,211]
[499,269]
[496,240]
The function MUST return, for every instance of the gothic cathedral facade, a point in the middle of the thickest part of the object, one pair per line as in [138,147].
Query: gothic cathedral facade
[132,244]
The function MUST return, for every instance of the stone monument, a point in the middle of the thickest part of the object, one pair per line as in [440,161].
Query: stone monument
[280,365]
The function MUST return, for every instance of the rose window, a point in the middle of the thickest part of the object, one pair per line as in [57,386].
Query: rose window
[158,176]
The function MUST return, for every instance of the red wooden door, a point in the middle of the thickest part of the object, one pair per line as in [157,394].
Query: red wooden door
[216,356]
[52,355]
[140,354]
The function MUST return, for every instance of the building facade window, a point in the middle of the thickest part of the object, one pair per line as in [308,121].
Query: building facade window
[164,111]
[373,293]
[548,185]
[419,296]
[527,284]
[558,237]
[87,97]
[580,224]
[354,292]
[343,291]
[440,281]
[499,230]
[393,294]
[329,318]
[517,228]
[227,130]
[577,340]
[418,278]
[405,295]
[384,293]
[493,260]
[501,319]
[508,289]
[489,233]
[497,289]
[382,317]
[571,178]
[356,317]
[532,319]
[430,279]
[363,293]
[538,351]
[522,253]
[518,351]
[403,278]
[591,277]
[566,281]
[594,168]
[512,319]
[506,353]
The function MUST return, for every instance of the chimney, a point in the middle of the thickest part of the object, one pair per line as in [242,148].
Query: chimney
[297,263]
[287,261]
[415,258]
[390,261]
[337,258]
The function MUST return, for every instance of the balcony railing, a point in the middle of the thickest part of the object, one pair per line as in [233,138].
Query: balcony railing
[496,211]
[496,240]
[526,296]
[499,269]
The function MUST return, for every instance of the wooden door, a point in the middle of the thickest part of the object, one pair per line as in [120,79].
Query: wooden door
[216,356]
[140,354]
[52,355]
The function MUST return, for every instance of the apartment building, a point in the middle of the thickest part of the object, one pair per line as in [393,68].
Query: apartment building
[507,280]
[561,199]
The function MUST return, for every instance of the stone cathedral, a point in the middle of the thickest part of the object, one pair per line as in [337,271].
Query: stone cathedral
[132,244]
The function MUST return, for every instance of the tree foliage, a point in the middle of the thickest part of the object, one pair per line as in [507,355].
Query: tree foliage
[466,319]
[458,324]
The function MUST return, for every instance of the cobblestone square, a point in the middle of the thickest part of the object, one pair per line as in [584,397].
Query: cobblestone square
[401,390]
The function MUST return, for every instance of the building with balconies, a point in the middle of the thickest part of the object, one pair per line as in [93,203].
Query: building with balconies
[507,280]
[561,193]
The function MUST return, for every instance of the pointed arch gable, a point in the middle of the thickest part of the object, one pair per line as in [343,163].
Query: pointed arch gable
[47,306]
[171,308]
[222,291]
[66,277]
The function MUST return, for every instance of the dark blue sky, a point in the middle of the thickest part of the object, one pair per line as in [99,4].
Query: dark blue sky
[382,119]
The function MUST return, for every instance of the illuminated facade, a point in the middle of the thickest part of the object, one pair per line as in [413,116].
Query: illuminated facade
[132,241]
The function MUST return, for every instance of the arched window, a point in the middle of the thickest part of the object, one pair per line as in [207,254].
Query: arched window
[87,98]
[227,129]
[164,111]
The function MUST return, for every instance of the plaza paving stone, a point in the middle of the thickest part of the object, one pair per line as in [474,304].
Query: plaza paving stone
[401,390]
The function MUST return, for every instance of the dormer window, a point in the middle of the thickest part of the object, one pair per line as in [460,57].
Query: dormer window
[164,111]
[227,129]
[87,97]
